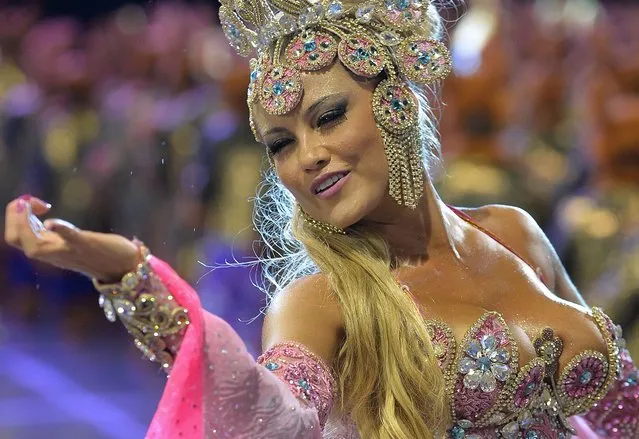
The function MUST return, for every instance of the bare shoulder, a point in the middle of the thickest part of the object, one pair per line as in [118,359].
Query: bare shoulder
[306,312]
[505,219]
[518,230]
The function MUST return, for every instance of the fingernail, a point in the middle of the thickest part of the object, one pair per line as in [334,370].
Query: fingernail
[25,197]
[21,205]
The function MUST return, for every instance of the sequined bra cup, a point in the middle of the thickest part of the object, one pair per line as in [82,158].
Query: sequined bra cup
[492,394]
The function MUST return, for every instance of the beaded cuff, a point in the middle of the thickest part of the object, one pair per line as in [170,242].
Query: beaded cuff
[147,310]
[307,375]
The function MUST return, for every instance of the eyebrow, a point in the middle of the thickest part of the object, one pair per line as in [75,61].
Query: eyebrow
[312,108]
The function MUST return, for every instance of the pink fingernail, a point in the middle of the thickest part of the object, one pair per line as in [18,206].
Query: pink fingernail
[25,197]
[21,205]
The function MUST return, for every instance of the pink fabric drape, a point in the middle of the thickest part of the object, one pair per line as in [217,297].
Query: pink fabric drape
[216,389]
[179,414]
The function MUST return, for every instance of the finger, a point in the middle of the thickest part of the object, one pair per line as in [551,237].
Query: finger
[13,214]
[38,206]
[28,228]
[64,228]
[34,222]
[16,207]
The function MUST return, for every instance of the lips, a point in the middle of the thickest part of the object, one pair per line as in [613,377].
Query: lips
[327,181]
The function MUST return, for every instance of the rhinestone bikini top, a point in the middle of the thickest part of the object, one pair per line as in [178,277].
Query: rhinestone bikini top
[489,391]
[487,386]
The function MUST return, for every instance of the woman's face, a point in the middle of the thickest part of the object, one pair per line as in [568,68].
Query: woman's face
[328,151]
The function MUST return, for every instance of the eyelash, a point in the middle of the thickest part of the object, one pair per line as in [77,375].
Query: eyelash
[331,117]
[276,146]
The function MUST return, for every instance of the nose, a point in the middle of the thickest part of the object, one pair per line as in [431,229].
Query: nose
[313,155]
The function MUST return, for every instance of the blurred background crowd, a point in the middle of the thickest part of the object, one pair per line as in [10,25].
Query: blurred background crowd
[132,119]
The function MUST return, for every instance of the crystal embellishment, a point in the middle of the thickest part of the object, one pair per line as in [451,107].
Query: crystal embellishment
[424,61]
[403,14]
[280,89]
[311,15]
[287,23]
[272,365]
[389,38]
[361,56]
[107,306]
[364,13]
[484,364]
[235,33]
[311,50]
[394,106]
[334,10]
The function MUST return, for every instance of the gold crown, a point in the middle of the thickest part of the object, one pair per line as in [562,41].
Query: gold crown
[255,24]
[397,32]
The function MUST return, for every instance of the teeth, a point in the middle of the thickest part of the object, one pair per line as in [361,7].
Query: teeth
[328,183]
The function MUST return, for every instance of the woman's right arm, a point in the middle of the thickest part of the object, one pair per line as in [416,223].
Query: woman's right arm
[215,388]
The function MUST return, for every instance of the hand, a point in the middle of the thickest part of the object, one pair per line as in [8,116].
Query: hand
[104,256]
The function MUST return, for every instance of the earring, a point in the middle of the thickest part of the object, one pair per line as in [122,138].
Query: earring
[320,225]
[395,108]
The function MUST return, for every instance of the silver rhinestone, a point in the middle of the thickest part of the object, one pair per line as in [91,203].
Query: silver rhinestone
[334,10]
[287,23]
[365,13]
[389,38]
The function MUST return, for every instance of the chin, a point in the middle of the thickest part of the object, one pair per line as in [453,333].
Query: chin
[353,209]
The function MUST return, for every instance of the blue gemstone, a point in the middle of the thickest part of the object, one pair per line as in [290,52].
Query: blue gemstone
[585,377]
[362,53]
[271,365]
[335,9]
[397,105]
[278,88]
[310,45]
[235,32]
[402,4]
[632,379]
[254,75]
[532,434]
[457,432]
[423,58]
[484,363]
[530,388]
[303,384]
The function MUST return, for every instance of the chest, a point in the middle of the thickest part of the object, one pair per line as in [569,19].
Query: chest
[508,346]
[512,353]
[496,280]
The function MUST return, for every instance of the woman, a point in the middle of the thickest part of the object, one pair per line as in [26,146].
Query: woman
[399,317]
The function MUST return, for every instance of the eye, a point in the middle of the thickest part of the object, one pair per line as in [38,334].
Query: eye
[335,115]
[278,145]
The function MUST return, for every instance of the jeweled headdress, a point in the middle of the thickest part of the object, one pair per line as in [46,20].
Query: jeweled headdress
[380,36]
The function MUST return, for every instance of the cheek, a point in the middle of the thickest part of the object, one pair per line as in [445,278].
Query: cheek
[366,141]
[288,175]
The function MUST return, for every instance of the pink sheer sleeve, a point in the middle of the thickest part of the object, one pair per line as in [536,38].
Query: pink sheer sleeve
[217,390]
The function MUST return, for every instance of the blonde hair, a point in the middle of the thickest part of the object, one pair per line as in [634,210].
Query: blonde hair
[388,378]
